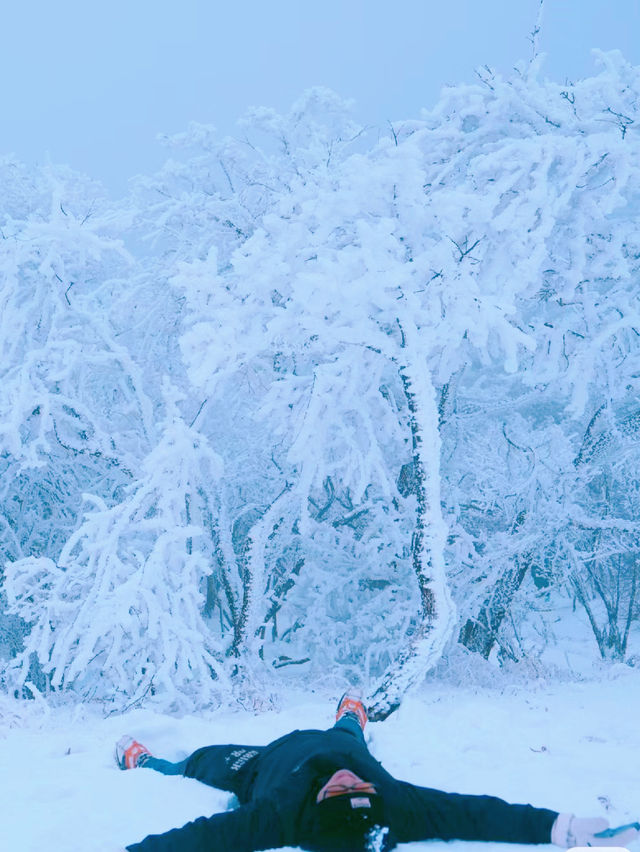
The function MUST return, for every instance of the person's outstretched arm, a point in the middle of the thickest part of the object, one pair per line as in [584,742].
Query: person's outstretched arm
[424,813]
[248,828]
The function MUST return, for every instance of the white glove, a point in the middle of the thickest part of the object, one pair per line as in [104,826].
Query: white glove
[569,830]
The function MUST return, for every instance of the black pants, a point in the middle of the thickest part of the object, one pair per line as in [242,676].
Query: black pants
[226,766]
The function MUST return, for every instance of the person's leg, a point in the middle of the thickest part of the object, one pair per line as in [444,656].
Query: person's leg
[227,767]
[164,766]
[350,723]
[351,715]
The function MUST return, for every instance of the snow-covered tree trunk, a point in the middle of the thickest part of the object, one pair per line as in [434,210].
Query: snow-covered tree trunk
[437,618]
[254,580]
[479,633]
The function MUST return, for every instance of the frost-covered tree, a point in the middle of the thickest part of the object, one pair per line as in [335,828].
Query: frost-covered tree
[74,412]
[570,189]
[119,615]
[356,273]
[432,255]
[65,380]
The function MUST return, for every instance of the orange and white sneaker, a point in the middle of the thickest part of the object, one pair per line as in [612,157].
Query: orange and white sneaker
[130,753]
[351,703]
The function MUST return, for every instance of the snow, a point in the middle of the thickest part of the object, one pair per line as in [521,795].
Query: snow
[567,746]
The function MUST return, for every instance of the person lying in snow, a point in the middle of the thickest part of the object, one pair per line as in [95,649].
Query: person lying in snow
[322,790]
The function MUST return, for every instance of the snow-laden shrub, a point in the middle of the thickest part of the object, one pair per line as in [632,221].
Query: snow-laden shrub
[119,616]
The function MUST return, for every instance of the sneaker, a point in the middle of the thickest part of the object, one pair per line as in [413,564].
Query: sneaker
[351,703]
[130,753]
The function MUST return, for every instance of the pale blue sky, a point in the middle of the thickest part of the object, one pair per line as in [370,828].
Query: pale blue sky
[90,82]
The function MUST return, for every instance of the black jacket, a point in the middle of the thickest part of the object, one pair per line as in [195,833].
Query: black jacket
[277,798]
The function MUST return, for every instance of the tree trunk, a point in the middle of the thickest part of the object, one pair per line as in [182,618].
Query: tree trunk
[254,580]
[436,619]
[479,634]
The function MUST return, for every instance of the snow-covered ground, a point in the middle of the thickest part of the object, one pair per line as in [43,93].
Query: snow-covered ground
[570,746]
